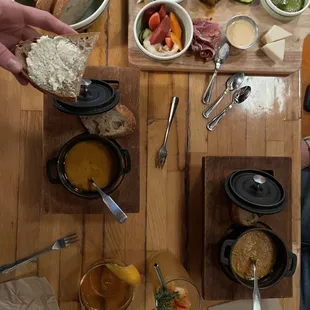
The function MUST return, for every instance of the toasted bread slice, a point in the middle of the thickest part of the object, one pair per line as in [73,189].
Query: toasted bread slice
[243,217]
[66,88]
[70,11]
[46,5]
[116,123]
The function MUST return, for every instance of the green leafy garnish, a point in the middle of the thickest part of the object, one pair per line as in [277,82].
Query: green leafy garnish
[164,299]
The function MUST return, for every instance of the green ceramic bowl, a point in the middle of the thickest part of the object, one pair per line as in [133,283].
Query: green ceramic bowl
[90,16]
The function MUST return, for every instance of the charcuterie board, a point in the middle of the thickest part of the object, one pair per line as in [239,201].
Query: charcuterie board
[252,61]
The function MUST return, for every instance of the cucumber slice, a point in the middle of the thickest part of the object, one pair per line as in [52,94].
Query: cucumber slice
[147,32]
[244,1]
[144,34]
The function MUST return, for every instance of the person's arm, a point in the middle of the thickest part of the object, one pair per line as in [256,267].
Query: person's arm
[16,23]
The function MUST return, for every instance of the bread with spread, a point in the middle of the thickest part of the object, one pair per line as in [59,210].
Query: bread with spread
[55,64]
[68,11]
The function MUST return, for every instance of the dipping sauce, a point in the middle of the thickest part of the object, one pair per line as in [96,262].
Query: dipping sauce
[90,159]
[240,33]
[257,245]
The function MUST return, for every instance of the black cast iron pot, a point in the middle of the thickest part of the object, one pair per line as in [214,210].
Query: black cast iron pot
[55,168]
[285,264]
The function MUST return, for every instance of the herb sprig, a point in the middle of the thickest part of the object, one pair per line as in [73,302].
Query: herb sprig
[164,299]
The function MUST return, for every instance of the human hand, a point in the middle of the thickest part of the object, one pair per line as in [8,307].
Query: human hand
[15,25]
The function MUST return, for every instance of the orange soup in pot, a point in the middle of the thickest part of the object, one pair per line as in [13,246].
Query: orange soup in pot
[90,159]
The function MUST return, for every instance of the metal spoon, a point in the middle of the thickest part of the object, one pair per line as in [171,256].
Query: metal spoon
[238,97]
[221,55]
[118,213]
[233,83]
[256,294]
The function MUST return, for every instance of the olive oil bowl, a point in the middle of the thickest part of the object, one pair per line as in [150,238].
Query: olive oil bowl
[284,13]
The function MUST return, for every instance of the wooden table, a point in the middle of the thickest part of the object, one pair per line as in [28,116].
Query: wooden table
[270,125]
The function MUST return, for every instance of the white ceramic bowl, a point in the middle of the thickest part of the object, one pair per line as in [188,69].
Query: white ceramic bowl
[184,19]
[280,14]
[90,16]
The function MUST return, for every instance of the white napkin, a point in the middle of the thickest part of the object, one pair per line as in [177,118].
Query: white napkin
[267,304]
[27,294]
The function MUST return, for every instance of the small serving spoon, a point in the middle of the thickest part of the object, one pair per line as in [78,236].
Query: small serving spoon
[117,212]
[233,83]
[256,294]
[221,55]
[238,97]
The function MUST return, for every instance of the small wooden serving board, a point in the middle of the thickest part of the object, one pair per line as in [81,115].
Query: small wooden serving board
[217,221]
[58,128]
[252,61]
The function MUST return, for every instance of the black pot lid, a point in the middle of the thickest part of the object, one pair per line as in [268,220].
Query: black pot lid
[95,97]
[255,191]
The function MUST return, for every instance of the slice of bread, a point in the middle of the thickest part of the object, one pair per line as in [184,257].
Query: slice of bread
[116,123]
[70,11]
[243,217]
[55,64]
[46,5]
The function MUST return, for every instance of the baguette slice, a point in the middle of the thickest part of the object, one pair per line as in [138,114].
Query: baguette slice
[116,123]
[69,89]
[70,11]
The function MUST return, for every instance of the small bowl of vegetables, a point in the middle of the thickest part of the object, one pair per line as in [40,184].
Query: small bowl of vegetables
[285,12]
[163,30]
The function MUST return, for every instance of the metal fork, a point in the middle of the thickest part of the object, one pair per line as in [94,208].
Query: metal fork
[58,245]
[162,154]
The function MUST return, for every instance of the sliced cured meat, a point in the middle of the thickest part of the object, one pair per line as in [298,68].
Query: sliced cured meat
[206,37]
[161,31]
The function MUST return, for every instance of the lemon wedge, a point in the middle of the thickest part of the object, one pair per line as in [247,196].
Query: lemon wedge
[128,274]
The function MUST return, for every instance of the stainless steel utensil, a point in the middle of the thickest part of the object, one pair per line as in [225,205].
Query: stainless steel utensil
[256,294]
[58,245]
[162,154]
[221,55]
[238,97]
[233,83]
[117,212]
[160,277]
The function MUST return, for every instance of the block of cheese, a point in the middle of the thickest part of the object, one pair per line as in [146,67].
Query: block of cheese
[275,33]
[275,50]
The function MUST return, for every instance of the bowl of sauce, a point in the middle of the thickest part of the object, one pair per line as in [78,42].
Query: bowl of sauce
[89,156]
[274,260]
[241,32]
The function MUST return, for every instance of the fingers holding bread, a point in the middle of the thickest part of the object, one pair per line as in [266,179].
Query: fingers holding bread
[44,20]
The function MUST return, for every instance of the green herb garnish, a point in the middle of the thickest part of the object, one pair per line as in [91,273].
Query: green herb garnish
[164,299]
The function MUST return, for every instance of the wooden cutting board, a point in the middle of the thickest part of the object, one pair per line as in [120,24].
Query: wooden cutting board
[58,128]
[252,61]
[216,285]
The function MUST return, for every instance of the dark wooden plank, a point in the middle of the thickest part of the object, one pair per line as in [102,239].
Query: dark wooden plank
[216,286]
[59,127]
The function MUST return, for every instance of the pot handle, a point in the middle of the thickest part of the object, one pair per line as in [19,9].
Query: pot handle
[292,264]
[50,166]
[127,161]
[226,245]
